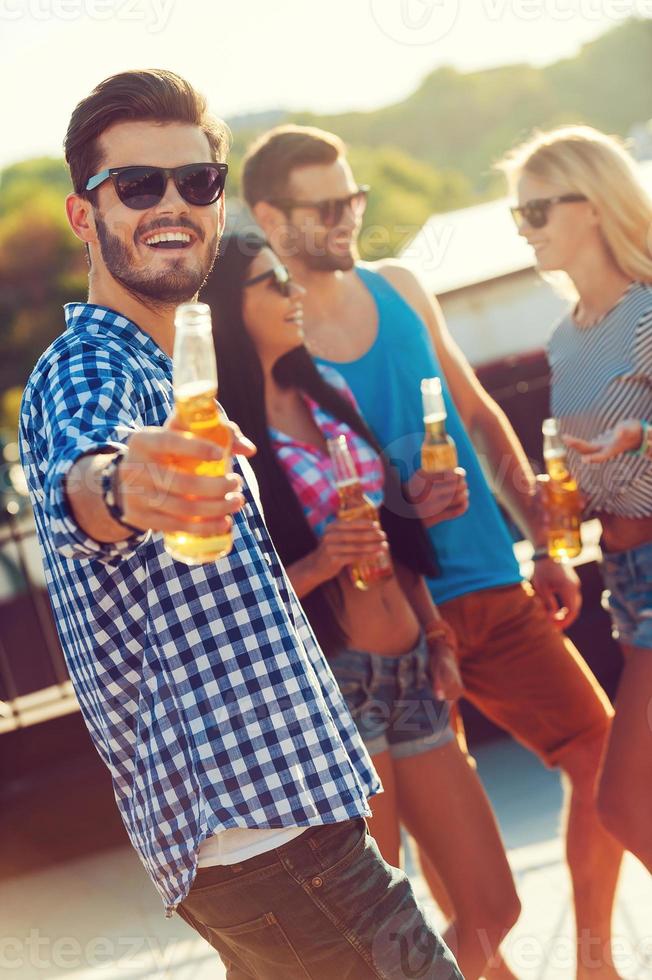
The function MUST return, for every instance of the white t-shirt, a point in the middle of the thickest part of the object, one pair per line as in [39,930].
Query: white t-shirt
[239,844]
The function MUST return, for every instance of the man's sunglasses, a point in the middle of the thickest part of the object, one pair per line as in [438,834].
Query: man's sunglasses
[536,212]
[330,211]
[140,188]
[280,277]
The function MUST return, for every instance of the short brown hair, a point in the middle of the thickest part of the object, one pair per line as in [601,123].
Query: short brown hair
[150,95]
[270,160]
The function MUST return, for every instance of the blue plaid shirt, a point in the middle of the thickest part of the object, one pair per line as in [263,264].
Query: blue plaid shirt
[203,687]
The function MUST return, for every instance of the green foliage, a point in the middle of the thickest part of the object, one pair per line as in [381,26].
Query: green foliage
[19,182]
[404,193]
[466,122]
[41,265]
[9,409]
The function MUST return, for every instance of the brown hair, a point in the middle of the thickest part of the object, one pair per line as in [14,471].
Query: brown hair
[270,160]
[152,94]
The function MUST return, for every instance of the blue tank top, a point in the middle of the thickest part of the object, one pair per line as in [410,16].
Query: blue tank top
[474,551]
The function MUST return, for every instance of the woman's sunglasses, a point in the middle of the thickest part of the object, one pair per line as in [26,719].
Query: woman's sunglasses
[140,188]
[536,212]
[281,279]
[331,210]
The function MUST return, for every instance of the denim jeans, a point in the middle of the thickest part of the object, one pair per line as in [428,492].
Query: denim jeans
[324,906]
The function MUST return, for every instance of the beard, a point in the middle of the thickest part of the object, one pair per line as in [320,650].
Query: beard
[314,250]
[328,262]
[177,284]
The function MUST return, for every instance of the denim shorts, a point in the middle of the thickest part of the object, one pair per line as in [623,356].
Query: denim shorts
[392,701]
[628,578]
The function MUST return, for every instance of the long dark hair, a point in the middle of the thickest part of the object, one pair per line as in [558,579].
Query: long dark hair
[242,393]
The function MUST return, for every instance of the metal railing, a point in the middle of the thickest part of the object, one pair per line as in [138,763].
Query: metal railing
[43,691]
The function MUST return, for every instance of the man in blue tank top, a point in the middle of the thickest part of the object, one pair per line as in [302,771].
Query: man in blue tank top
[377,326]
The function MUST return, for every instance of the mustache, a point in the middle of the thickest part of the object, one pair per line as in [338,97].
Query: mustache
[161,223]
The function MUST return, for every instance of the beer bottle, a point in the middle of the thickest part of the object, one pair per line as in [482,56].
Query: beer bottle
[438,451]
[194,379]
[354,506]
[563,498]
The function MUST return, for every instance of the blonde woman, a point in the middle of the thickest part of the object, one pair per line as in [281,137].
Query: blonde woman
[583,209]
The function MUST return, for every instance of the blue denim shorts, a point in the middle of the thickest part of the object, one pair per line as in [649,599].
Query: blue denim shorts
[392,701]
[628,578]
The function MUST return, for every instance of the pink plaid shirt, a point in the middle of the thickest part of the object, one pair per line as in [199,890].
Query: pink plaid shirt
[309,468]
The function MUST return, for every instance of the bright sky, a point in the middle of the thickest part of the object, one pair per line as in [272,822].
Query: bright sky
[247,55]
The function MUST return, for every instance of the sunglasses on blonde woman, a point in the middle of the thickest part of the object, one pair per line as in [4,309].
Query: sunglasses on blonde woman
[537,211]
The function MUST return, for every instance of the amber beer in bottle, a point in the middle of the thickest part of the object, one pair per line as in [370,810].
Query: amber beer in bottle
[563,498]
[356,506]
[194,379]
[438,451]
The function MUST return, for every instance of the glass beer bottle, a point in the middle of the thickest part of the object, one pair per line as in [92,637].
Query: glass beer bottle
[563,498]
[354,506]
[438,451]
[194,379]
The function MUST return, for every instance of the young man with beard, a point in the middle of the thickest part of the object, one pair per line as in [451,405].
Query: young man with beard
[377,326]
[236,767]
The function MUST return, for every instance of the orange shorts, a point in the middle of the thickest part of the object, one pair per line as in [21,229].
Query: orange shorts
[523,674]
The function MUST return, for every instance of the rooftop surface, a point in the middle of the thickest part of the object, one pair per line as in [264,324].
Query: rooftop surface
[97,917]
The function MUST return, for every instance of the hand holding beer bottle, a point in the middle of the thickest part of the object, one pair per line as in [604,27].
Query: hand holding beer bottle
[438,451]
[438,490]
[356,506]
[562,497]
[177,478]
[197,411]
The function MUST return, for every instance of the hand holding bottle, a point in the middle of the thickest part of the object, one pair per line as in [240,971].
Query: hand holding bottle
[346,542]
[156,493]
[439,496]
[356,506]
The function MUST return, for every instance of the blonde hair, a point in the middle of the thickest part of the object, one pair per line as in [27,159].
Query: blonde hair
[583,160]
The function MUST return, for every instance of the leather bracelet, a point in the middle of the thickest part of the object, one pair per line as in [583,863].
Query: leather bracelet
[539,553]
[110,495]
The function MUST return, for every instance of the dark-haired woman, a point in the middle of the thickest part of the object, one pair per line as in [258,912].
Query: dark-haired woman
[388,647]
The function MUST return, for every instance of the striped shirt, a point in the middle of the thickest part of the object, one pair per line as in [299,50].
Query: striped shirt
[602,375]
[203,687]
[309,468]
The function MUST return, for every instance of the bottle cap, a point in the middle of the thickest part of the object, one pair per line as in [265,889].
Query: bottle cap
[344,469]
[193,316]
[433,399]
[550,427]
